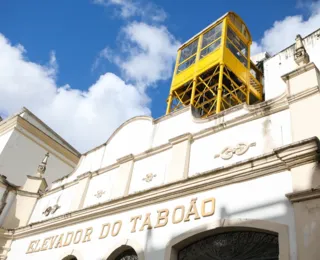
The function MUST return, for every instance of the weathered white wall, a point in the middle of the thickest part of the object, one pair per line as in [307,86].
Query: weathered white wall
[267,133]
[4,139]
[22,156]
[104,183]
[283,62]
[262,198]
[140,134]
[157,165]
[63,198]
[133,138]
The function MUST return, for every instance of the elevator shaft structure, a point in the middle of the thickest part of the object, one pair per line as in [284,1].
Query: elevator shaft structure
[213,69]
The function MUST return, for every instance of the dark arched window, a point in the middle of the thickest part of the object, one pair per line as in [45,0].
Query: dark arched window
[70,257]
[233,245]
[129,254]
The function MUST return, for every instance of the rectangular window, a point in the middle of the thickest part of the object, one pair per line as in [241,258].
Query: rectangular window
[212,47]
[211,40]
[237,47]
[186,64]
[211,35]
[187,56]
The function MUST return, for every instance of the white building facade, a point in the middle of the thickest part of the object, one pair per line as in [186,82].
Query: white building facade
[242,184]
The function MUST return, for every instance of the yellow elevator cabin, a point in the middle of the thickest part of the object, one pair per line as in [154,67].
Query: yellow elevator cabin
[213,69]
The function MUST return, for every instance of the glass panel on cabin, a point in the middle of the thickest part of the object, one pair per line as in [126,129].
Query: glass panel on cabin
[240,26]
[211,40]
[188,56]
[237,47]
[212,47]
[186,64]
[211,35]
[188,51]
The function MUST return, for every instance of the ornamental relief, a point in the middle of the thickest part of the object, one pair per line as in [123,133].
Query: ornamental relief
[240,149]
[51,210]
[149,177]
[99,193]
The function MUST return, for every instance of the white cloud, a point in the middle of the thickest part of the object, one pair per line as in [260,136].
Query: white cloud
[83,118]
[283,33]
[104,54]
[87,118]
[129,8]
[148,54]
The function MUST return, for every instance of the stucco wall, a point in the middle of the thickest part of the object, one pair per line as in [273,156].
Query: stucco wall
[3,141]
[103,183]
[265,133]
[63,198]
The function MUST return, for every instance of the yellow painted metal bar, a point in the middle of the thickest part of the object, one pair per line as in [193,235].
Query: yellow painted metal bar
[177,63]
[219,96]
[232,94]
[248,77]
[194,83]
[169,104]
[239,87]
[179,98]
[223,45]
[223,39]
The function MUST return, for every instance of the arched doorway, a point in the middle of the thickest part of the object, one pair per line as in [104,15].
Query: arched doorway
[233,245]
[70,257]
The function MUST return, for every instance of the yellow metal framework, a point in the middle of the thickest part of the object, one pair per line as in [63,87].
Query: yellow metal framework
[213,71]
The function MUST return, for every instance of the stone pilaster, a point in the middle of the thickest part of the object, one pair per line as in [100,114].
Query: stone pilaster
[179,164]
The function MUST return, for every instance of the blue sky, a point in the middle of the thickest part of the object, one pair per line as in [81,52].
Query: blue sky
[66,47]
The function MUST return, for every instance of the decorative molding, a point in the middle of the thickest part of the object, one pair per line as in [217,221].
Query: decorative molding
[51,210]
[303,94]
[149,177]
[125,159]
[281,159]
[99,193]
[43,165]
[299,70]
[240,149]
[87,174]
[180,138]
[47,211]
[301,56]
[304,195]
[55,208]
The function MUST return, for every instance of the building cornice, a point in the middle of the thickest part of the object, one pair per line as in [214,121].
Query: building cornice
[33,130]
[304,195]
[281,159]
[303,94]
[299,71]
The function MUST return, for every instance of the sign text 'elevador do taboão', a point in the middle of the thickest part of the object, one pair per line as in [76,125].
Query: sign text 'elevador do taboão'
[139,223]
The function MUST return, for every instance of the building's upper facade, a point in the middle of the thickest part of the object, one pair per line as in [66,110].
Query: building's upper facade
[24,140]
[158,185]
